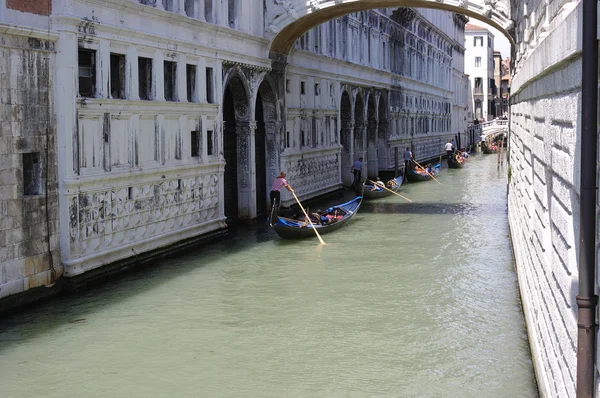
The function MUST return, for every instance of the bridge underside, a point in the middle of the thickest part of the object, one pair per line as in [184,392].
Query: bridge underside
[294,18]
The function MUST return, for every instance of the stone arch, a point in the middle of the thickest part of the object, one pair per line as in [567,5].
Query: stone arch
[346,136]
[266,147]
[293,18]
[236,116]
[371,133]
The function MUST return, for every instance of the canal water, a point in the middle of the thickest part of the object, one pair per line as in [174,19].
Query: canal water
[409,300]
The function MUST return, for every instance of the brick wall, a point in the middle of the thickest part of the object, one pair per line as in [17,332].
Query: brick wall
[40,7]
[28,166]
[544,188]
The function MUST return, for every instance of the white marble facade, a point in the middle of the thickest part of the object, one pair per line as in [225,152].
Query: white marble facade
[172,119]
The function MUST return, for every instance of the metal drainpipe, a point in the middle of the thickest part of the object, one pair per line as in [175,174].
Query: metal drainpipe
[586,299]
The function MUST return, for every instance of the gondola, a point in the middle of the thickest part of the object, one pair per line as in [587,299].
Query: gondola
[288,228]
[453,163]
[413,176]
[381,192]
[487,150]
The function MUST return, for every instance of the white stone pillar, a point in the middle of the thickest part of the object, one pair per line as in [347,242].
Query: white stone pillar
[158,76]
[181,79]
[199,10]
[132,90]
[181,7]
[160,5]
[66,126]
[201,81]
[246,170]
[103,69]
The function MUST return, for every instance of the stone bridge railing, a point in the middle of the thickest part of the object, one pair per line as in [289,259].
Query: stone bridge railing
[494,127]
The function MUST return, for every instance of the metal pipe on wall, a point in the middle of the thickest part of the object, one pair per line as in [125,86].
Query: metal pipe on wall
[586,299]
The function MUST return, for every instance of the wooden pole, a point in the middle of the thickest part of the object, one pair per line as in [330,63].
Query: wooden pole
[386,188]
[395,162]
[430,175]
[307,217]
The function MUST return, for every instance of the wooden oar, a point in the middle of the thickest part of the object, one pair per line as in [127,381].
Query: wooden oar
[307,217]
[381,186]
[431,175]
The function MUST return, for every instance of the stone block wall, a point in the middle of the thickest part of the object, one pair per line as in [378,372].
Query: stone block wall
[544,184]
[29,247]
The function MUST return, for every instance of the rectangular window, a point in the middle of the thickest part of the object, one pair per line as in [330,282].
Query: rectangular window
[194,144]
[189,8]
[287,139]
[489,42]
[209,85]
[87,73]
[190,71]
[232,13]
[302,88]
[317,89]
[477,61]
[145,78]
[117,76]
[210,144]
[168,4]
[170,80]
[32,174]
[208,10]
[302,138]
[478,41]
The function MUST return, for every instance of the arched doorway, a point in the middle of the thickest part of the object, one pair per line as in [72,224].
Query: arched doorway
[372,158]
[359,130]
[235,121]
[346,135]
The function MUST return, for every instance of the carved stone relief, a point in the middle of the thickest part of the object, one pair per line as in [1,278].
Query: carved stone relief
[107,219]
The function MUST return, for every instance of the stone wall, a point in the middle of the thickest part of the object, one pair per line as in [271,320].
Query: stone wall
[544,184]
[29,249]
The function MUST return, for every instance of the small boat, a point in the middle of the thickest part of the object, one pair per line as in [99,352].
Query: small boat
[415,177]
[454,163]
[393,185]
[487,149]
[289,228]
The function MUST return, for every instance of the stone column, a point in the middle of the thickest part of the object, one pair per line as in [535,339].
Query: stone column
[272,130]
[383,154]
[372,158]
[347,142]
[246,170]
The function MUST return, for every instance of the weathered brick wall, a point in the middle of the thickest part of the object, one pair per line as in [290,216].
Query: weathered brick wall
[40,7]
[544,185]
[28,212]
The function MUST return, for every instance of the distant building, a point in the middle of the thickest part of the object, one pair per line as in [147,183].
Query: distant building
[479,65]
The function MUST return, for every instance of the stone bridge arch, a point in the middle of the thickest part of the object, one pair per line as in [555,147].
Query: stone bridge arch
[290,19]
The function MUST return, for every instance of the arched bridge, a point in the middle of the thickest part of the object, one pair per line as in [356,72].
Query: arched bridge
[494,128]
[290,19]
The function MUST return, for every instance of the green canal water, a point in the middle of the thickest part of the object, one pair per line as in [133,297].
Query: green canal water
[409,300]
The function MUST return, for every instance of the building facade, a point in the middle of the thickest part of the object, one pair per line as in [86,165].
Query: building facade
[479,65]
[167,135]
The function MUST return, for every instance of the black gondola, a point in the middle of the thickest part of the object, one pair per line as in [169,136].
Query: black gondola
[413,176]
[289,228]
[487,149]
[453,162]
[393,185]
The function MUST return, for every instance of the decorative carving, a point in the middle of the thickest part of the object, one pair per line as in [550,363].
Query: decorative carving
[108,219]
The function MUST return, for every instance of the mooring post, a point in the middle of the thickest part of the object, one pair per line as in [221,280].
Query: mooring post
[396,162]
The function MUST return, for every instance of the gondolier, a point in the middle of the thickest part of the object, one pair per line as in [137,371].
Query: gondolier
[357,172]
[449,147]
[279,183]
